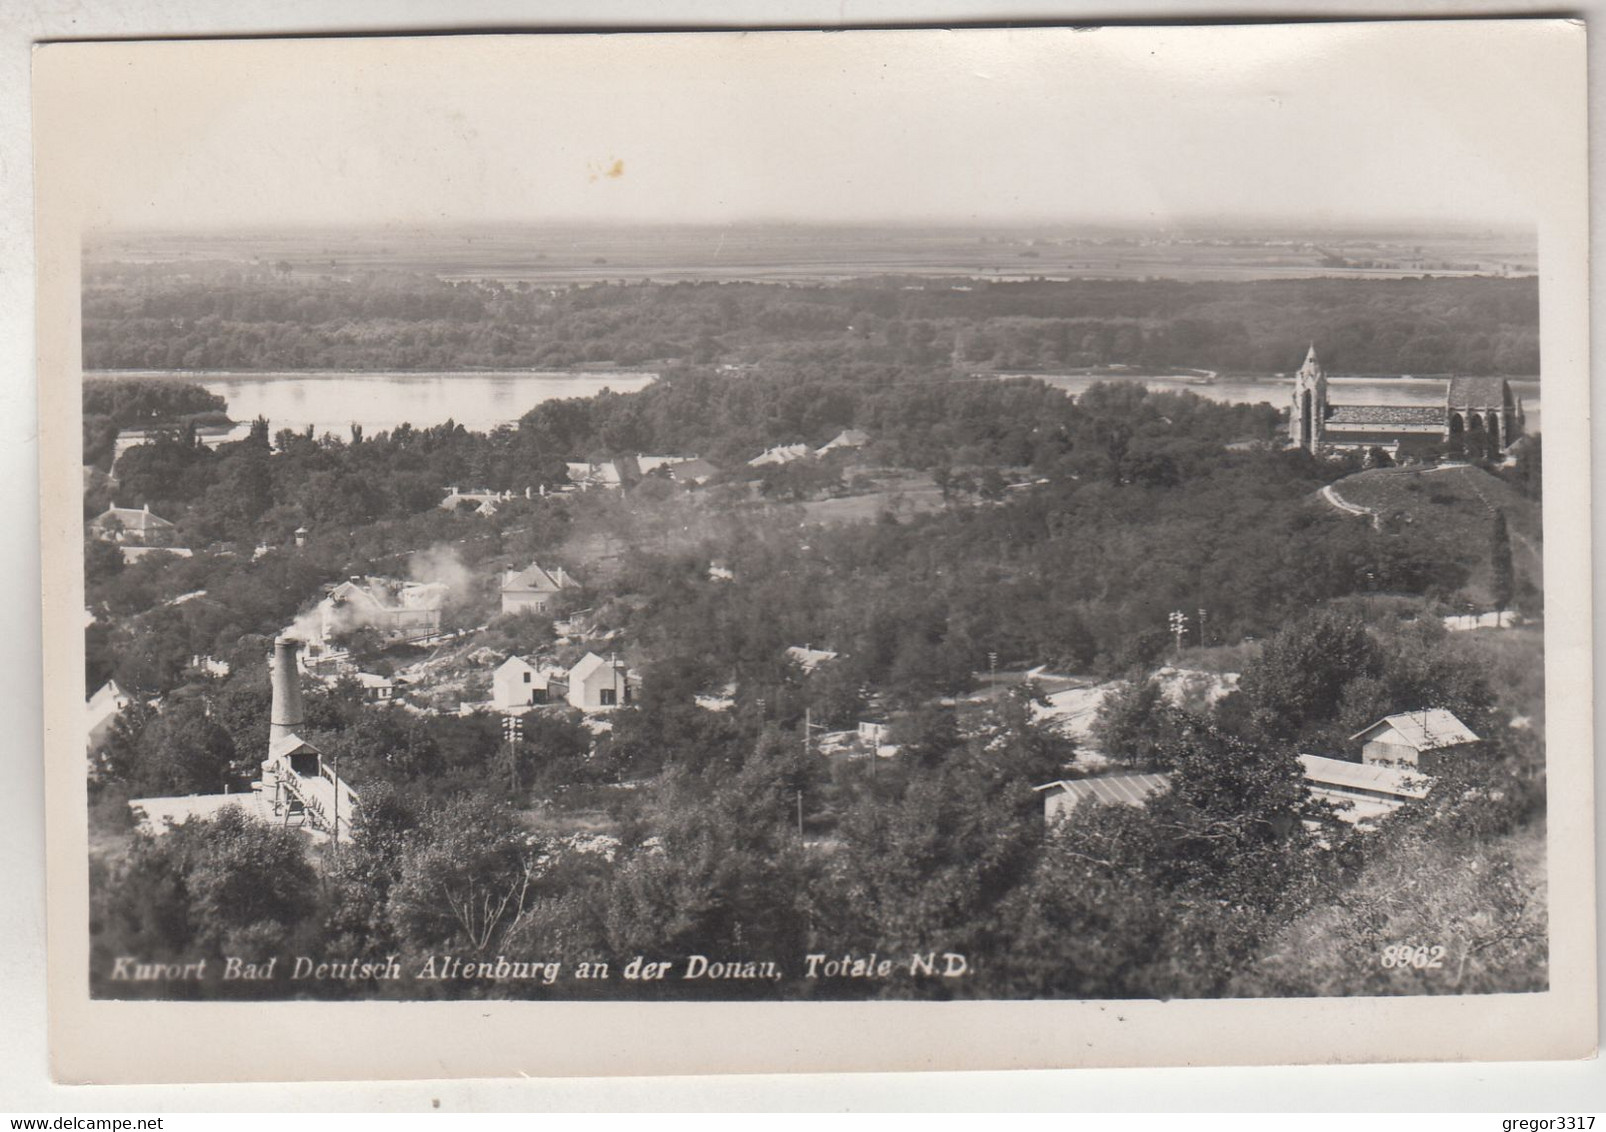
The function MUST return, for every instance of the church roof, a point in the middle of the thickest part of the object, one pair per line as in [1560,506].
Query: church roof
[1478,392]
[1386,414]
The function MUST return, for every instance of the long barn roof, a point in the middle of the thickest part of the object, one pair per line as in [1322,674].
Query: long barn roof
[1129,789]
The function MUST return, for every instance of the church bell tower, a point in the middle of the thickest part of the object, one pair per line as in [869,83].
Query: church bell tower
[1310,404]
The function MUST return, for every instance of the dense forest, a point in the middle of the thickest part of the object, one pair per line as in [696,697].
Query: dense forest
[230,317]
[1141,508]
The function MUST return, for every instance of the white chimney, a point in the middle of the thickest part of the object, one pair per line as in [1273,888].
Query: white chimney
[286,715]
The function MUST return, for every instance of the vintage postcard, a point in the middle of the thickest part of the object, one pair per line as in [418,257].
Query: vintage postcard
[710,552]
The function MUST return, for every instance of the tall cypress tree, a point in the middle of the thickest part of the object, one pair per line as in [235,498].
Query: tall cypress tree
[1502,584]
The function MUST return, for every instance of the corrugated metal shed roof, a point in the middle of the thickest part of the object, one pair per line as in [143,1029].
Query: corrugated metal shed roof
[1130,789]
[1402,783]
[1426,730]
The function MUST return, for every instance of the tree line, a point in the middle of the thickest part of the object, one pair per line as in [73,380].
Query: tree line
[155,318]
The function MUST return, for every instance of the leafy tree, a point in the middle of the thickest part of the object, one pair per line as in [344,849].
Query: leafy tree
[926,735]
[465,877]
[1168,899]
[724,873]
[1135,725]
[1296,683]
[228,886]
[931,869]
[183,751]
[367,867]
[118,759]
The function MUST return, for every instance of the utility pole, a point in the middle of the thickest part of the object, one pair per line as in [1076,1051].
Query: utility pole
[992,668]
[809,727]
[1202,641]
[512,732]
[1179,626]
[336,761]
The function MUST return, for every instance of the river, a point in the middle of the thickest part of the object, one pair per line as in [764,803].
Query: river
[332,402]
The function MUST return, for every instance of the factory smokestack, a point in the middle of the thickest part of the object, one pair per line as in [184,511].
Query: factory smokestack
[286,716]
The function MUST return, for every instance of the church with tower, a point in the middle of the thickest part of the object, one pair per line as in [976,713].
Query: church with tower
[1475,411]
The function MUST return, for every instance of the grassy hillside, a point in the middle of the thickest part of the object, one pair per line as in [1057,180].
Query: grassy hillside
[1482,905]
[1453,507]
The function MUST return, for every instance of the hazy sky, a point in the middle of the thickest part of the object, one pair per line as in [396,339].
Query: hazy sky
[1315,123]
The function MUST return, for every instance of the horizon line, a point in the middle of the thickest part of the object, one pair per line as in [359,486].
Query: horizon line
[1202,223]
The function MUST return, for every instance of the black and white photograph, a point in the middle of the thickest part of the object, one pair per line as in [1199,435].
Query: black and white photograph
[884,519]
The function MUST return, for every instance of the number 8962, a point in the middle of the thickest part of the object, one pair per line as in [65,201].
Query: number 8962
[1419,956]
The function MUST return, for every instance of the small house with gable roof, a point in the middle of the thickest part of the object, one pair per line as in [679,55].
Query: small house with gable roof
[130,524]
[533,588]
[1412,738]
[597,685]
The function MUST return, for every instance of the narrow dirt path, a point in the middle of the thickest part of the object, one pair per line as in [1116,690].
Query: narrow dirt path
[1336,500]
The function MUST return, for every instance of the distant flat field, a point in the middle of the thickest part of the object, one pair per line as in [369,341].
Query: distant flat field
[560,256]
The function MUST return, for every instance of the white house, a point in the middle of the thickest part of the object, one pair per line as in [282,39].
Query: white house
[533,588]
[104,706]
[520,683]
[874,735]
[130,524]
[376,688]
[395,609]
[598,685]
[1403,739]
